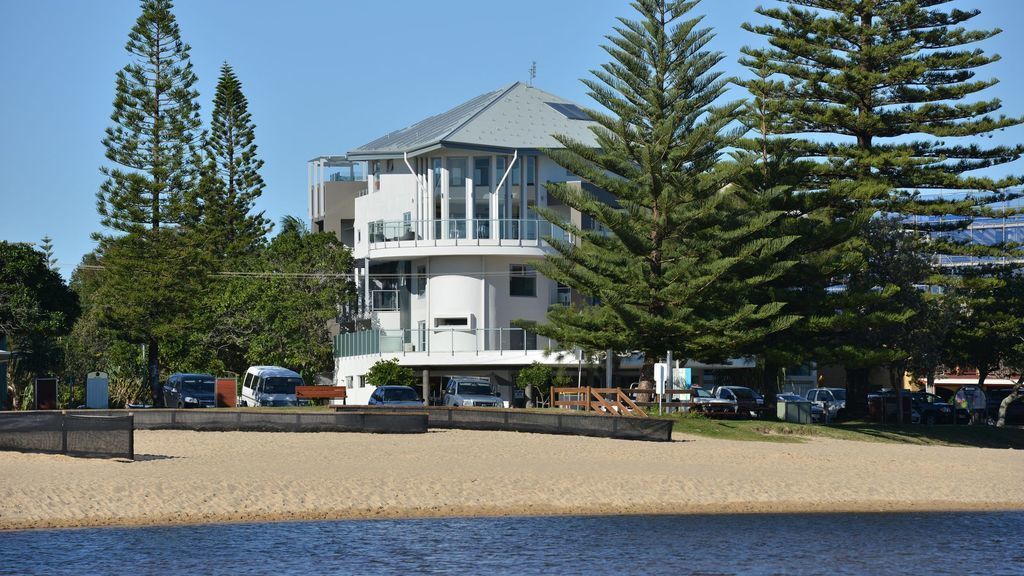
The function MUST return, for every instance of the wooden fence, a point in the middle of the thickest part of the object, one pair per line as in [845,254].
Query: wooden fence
[602,401]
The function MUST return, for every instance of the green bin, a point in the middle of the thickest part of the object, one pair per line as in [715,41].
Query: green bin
[797,412]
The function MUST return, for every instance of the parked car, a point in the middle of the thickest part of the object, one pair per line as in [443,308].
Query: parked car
[705,401]
[190,391]
[395,396]
[931,409]
[270,386]
[832,398]
[817,412]
[470,391]
[1014,412]
[748,402]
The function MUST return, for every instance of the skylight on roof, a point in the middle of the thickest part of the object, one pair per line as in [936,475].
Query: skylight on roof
[570,111]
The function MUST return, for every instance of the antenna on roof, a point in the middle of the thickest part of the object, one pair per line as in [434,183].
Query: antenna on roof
[533,71]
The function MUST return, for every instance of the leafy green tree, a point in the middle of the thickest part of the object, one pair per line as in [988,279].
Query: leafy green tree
[882,85]
[231,182]
[822,219]
[47,249]
[390,373]
[280,313]
[986,335]
[685,249]
[36,310]
[150,263]
[533,378]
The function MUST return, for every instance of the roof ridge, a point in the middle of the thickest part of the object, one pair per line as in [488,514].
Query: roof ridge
[480,111]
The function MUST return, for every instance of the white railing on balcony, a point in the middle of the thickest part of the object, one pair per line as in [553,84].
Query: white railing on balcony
[439,341]
[503,232]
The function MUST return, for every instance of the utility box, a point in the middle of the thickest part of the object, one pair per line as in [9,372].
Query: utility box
[797,411]
[227,392]
[45,393]
[97,391]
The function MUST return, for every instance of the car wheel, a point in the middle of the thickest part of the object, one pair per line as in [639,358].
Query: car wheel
[929,420]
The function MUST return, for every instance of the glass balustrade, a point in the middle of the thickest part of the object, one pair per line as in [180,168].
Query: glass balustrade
[439,341]
[459,231]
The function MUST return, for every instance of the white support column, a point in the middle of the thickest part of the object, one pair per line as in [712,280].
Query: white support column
[429,219]
[320,188]
[444,198]
[366,284]
[470,195]
[309,191]
[493,197]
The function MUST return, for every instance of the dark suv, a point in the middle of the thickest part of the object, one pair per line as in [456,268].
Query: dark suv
[190,391]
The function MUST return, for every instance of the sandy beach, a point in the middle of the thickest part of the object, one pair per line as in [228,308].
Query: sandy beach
[193,477]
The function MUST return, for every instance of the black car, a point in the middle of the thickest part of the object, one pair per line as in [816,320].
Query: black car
[931,409]
[190,391]
[395,396]
[1014,412]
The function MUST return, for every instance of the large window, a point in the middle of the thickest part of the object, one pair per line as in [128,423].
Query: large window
[522,280]
[482,171]
[482,196]
[457,197]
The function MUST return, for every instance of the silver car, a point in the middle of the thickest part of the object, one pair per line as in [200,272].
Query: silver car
[831,399]
[469,391]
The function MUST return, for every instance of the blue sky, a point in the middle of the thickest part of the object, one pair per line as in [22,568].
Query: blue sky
[321,76]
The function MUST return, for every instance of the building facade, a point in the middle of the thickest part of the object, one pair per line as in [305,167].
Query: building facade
[441,222]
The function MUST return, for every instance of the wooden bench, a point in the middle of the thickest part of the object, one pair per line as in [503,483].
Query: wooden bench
[321,392]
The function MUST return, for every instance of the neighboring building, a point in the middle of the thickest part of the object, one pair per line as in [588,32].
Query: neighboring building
[439,219]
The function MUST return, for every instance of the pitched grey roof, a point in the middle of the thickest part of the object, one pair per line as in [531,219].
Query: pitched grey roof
[516,116]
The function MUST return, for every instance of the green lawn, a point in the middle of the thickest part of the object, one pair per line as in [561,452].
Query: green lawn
[772,431]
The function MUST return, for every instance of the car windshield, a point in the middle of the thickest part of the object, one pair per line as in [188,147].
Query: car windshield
[702,393]
[280,385]
[474,389]
[197,386]
[839,394]
[400,395]
[743,393]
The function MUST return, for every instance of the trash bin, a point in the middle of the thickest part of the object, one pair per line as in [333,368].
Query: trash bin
[795,411]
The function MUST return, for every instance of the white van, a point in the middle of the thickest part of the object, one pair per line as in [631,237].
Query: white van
[270,386]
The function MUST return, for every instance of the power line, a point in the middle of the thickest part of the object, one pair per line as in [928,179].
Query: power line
[350,275]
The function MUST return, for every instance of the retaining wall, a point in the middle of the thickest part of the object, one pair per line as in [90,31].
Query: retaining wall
[383,422]
[566,422]
[103,436]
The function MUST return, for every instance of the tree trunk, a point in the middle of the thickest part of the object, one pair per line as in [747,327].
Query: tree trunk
[646,378]
[1005,404]
[153,358]
[770,380]
[897,383]
[856,392]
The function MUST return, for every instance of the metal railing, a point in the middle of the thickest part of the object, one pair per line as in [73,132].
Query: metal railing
[445,341]
[462,231]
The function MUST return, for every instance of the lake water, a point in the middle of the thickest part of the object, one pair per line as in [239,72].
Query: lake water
[936,543]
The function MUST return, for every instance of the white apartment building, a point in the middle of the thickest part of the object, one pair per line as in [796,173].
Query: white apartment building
[440,222]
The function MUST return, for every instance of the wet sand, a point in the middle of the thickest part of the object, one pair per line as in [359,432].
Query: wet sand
[196,477]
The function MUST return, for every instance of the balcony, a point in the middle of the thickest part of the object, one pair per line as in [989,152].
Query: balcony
[439,342]
[462,232]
